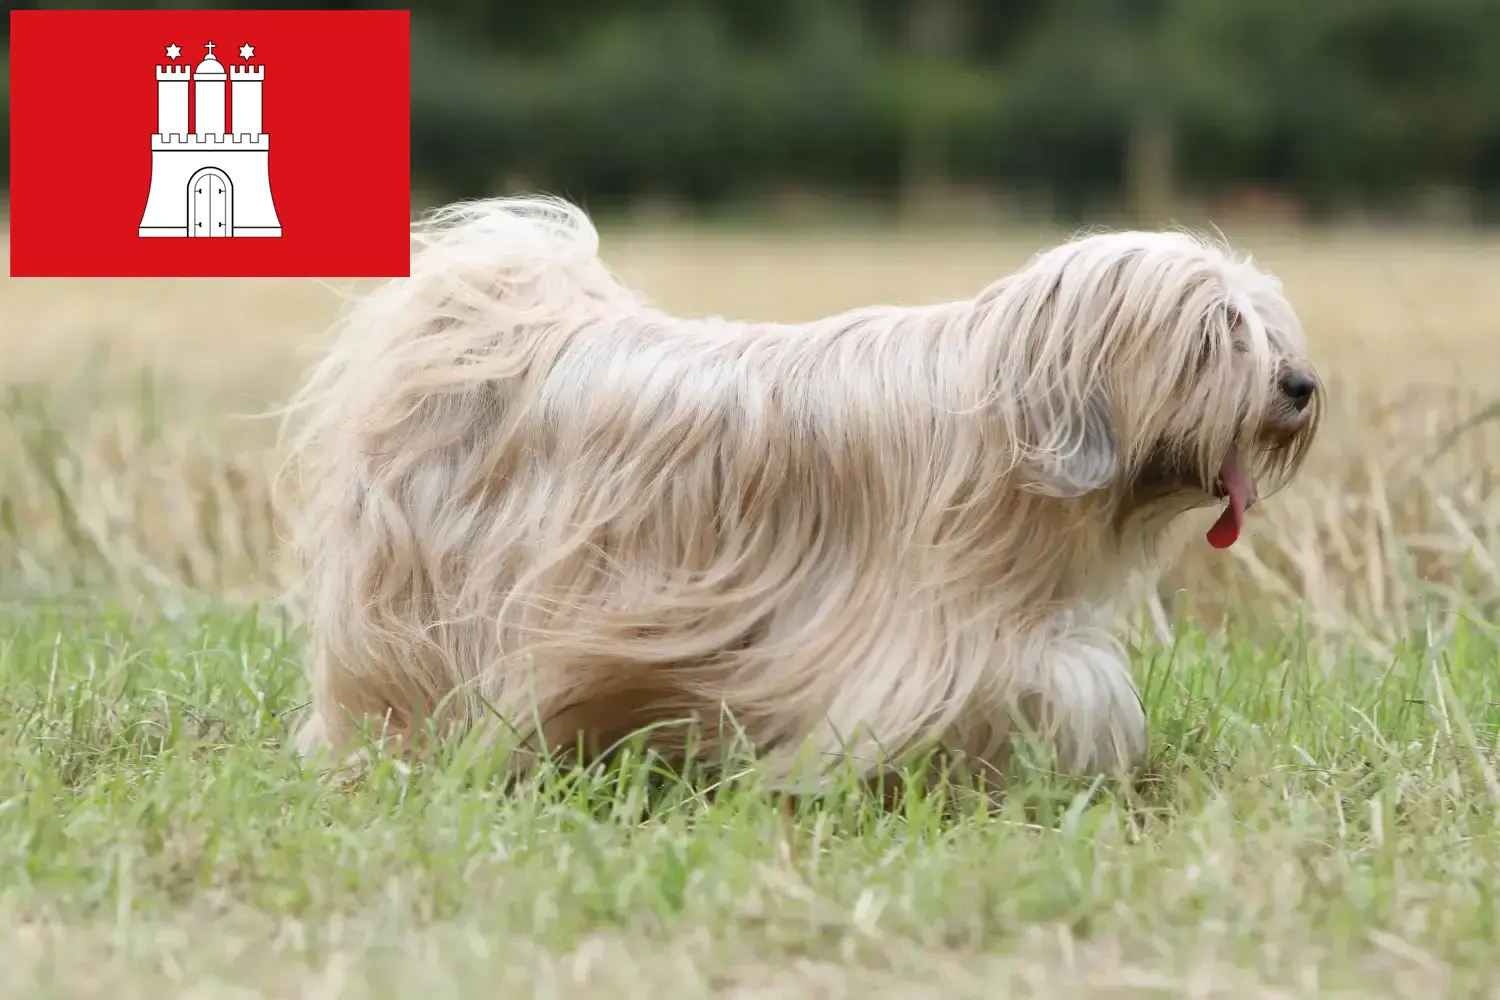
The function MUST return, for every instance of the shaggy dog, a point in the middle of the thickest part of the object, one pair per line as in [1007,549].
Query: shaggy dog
[531,502]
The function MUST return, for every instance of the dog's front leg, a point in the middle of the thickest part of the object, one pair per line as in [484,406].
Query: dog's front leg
[1084,703]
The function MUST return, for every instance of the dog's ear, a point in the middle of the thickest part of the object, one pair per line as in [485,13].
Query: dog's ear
[1079,449]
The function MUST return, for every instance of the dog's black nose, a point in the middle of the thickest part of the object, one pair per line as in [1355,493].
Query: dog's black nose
[1298,388]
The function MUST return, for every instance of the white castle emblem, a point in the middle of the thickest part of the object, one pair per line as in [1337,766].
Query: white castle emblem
[210,182]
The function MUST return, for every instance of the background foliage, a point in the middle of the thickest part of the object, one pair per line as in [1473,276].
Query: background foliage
[1334,103]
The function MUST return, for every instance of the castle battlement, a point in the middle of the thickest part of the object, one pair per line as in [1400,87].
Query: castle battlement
[181,74]
[247,73]
[244,141]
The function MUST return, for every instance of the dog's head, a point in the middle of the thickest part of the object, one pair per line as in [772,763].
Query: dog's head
[1155,371]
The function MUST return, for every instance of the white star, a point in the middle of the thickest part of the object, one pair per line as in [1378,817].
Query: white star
[173,51]
[247,50]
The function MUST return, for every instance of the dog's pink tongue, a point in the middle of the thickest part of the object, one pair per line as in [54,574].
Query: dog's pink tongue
[1241,489]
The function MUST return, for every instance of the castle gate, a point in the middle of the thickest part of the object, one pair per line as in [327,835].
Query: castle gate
[210,203]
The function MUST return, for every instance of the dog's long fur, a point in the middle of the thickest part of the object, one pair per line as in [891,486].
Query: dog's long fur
[529,499]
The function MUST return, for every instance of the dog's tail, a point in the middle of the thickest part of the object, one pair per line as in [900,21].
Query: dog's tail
[483,272]
[539,249]
[495,285]
[497,288]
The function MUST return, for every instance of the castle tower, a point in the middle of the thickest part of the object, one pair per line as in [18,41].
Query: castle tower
[172,99]
[244,85]
[208,95]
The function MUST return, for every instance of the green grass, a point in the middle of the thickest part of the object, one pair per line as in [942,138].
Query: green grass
[1318,819]
[1310,825]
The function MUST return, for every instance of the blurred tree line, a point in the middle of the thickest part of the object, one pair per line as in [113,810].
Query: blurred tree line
[1079,103]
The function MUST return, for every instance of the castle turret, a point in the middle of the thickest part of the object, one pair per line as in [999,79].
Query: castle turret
[244,84]
[172,99]
[208,95]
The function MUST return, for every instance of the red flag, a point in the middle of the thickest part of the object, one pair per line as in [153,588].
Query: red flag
[287,133]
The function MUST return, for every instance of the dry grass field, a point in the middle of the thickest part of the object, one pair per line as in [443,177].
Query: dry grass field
[1319,819]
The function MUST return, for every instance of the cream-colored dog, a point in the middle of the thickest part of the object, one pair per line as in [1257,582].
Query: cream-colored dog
[531,502]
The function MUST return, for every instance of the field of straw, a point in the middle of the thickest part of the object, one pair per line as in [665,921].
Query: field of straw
[1319,818]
